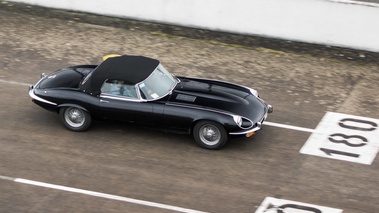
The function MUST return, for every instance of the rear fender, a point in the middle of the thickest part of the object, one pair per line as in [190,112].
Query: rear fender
[71,105]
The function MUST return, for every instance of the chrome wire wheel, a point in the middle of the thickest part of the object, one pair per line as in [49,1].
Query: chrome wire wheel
[74,117]
[209,134]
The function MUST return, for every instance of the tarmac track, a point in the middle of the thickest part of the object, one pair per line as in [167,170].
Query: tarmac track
[127,162]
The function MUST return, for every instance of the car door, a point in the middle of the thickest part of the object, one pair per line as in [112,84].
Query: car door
[118,108]
[178,118]
[119,101]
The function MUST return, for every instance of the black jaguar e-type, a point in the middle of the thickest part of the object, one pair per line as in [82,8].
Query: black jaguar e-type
[140,90]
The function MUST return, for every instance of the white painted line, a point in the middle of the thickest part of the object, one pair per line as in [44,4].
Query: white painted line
[14,82]
[274,205]
[288,126]
[102,195]
[6,178]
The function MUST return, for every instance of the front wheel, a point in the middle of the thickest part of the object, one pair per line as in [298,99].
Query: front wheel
[75,119]
[210,135]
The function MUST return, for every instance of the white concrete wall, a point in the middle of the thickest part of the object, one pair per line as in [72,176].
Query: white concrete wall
[313,21]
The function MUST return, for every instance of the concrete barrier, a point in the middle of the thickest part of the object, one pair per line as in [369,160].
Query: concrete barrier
[328,22]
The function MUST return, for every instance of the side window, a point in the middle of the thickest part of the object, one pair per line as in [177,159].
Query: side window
[119,88]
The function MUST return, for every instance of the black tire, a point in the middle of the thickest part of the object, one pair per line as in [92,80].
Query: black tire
[75,119]
[210,135]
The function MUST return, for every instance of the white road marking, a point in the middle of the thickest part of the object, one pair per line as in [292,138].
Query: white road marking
[14,82]
[6,178]
[273,205]
[102,195]
[285,126]
[344,137]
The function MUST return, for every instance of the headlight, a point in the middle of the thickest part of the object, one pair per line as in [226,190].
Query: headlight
[237,119]
[254,92]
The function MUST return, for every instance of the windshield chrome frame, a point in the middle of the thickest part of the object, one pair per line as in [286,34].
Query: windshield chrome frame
[176,81]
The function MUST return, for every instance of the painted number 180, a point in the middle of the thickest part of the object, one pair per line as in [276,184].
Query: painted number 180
[350,140]
[344,137]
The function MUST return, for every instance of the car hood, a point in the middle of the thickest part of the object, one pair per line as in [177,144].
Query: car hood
[221,96]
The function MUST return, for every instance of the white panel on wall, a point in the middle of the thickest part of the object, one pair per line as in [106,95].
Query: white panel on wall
[312,21]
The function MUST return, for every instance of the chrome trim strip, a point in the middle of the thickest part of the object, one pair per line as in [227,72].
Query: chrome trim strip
[246,132]
[252,123]
[35,97]
[200,108]
[121,98]
[213,110]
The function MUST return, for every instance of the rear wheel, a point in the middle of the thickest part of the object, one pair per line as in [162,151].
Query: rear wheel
[75,119]
[210,135]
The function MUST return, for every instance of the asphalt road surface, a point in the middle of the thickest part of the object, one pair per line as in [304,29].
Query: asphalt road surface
[114,167]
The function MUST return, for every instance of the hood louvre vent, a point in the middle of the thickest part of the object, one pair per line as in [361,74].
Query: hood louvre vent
[187,98]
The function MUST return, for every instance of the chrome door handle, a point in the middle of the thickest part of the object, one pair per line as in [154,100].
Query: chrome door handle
[102,101]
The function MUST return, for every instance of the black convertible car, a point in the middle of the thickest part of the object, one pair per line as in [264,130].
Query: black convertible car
[140,90]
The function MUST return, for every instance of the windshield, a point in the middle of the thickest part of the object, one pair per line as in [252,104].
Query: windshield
[158,84]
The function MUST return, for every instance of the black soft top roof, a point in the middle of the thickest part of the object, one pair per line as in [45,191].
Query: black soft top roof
[131,69]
